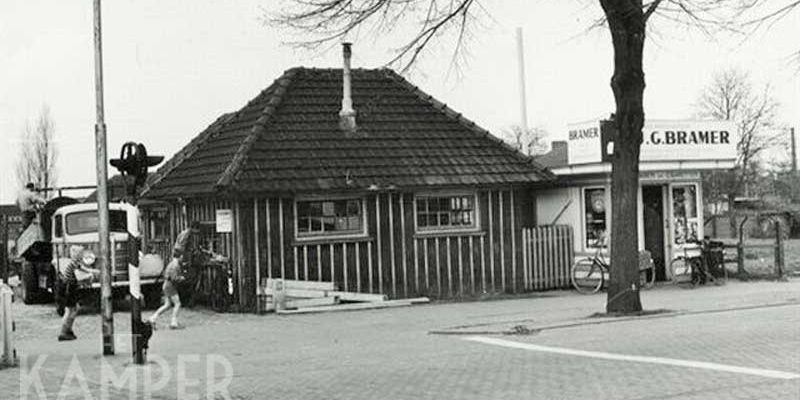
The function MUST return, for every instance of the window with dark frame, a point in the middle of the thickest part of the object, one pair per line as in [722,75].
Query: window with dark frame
[330,217]
[159,224]
[445,212]
[86,222]
[59,226]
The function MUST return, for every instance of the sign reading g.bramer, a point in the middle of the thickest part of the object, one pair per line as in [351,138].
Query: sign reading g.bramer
[664,140]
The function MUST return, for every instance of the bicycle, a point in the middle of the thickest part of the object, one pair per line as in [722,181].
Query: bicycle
[691,268]
[589,274]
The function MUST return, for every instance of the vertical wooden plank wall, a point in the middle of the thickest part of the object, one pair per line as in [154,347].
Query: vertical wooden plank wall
[505,255]
[467,264]
[393,259]
[547,256]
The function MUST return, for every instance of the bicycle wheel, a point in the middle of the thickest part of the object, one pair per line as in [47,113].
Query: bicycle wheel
[647,277]
[587,276]
[684,271]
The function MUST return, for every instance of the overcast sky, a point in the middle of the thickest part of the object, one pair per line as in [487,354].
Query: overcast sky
[172,67]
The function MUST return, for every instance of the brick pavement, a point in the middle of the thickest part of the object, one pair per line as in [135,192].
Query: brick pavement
[389,353]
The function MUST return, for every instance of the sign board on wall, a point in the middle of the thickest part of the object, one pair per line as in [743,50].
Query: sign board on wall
[663,140]
[224,221]
[583,144]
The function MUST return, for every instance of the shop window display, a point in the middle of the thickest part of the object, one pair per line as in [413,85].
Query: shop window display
[684,211]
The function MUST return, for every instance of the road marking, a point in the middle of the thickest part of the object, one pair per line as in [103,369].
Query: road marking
[767,373]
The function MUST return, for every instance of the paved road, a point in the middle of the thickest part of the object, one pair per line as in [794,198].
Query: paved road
[389,354]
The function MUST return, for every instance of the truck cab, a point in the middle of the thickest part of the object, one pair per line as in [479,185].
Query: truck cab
[69,226]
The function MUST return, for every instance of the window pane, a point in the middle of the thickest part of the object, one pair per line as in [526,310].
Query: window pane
[302,225]
[86,221]
[58,226]
[328,224]
[445,211]
[302,208]
[316,224]
[353,207]
[340,223]
[684,208]
[595,211]
[340,208]
[327,209]
[354,223]
[329,216]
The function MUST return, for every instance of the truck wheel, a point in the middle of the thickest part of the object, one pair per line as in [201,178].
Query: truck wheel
[29,287]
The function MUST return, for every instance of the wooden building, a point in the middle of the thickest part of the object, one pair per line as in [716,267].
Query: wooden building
[356,177]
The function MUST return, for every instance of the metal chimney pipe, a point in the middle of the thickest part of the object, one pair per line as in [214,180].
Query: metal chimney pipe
[347,114]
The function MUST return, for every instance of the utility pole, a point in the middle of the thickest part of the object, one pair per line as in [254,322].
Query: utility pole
[523,102]
[103,263]
[4,247]
[794,151]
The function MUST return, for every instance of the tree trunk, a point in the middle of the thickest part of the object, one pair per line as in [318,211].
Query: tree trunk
[626,21]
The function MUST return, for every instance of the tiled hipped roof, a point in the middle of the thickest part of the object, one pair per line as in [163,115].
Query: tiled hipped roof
[288,139]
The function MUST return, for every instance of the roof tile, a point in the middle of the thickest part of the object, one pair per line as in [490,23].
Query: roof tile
[288,139]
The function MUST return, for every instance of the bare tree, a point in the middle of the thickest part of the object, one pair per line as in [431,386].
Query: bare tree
[530,141]
[36,162]
[731,97]
[328,21]
[757,15]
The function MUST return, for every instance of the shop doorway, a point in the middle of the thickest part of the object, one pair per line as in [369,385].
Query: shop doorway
[653,210]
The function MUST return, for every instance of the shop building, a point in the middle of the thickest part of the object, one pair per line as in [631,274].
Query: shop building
[356,177]
[670,207]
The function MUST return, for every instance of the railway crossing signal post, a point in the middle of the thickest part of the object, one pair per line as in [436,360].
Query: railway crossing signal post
[134,162]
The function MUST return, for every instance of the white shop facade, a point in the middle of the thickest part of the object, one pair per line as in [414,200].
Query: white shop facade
[674,153]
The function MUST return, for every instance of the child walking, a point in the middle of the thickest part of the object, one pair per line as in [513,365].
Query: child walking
[172,277]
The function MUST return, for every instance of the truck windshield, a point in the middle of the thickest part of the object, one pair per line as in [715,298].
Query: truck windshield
[86,221]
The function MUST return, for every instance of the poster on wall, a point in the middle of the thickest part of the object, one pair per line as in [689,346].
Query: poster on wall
[224,221]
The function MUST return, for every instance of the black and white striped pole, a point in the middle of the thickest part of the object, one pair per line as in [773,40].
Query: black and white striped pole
[134,161]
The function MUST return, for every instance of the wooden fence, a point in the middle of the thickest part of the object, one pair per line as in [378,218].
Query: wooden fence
[547,257]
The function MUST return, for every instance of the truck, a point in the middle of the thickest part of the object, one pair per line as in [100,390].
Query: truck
[64,225]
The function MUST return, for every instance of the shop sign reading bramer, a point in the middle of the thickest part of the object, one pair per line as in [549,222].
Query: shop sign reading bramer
[662,140]
[584,143]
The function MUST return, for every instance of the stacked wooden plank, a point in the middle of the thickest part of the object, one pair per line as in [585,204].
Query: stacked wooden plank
[286,296]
